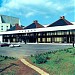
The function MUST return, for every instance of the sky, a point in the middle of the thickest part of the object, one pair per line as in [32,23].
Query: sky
[45,11]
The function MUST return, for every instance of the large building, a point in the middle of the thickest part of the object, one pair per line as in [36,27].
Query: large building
[61,31]
[6,22]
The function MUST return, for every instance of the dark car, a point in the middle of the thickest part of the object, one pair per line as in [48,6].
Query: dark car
[4,44]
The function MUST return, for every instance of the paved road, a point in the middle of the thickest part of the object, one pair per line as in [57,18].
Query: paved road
[28,49]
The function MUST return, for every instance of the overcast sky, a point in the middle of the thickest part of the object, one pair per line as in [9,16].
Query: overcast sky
[45,11]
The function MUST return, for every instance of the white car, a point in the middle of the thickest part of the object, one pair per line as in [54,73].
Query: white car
[11,45]
[14,45]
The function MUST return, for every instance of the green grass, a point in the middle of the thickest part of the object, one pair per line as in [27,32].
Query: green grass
[61,62]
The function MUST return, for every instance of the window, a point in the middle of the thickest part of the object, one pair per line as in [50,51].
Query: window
[28,30]
[38,39]
[48,39]
[43,34]
[58,39]
[43,39]
[39,34]
[59,33]
[55,33]
[1,27]
[70,32]
[67,32]
[51,33]
[74,32]
[6,27]
[62,32]
[47,33]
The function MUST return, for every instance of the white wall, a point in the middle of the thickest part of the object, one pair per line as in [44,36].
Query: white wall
[1,39]
[4,26]
[67,27]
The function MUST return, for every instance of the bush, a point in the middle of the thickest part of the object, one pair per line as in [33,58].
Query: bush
[11,58]
[49,52]
[70,51]
[32,55]
[67,50]
[6,57]
[73,53]
[40,58]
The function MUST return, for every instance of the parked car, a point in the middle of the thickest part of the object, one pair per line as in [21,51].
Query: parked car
[11,45]
[4,44]
[14,45]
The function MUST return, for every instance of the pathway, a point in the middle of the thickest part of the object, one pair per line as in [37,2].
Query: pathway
[34,67]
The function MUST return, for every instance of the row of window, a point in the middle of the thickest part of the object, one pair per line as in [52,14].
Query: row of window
[44,33]
[27,31]
[4,28]
[54,39]
[56,33]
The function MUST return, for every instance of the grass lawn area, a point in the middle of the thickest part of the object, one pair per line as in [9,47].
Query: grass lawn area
[61,62]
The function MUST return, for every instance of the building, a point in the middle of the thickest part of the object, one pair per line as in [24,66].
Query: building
[61,31]
[6,22]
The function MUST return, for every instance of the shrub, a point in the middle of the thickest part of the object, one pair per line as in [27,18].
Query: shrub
[6,57]
[70,51]
[73,53]
[67,50]
[11,58]
[47,57]
[49,52]
[40,58]
[32,55]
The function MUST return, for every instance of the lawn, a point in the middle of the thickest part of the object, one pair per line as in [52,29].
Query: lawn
[61,62]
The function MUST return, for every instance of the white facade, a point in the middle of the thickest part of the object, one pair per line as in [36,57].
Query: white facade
[47,29]
[4,27]
[1,38]
[67,27]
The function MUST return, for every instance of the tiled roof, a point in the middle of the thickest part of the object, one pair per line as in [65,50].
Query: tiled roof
[61,22]
[35,24]
[16,27]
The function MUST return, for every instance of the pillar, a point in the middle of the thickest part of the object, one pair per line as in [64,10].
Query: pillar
[1,38]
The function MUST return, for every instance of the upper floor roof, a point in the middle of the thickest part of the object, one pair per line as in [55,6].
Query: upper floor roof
[61,22]
[16,27]
[35,24]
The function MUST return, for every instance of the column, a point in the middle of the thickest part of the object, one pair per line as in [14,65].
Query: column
[1,38]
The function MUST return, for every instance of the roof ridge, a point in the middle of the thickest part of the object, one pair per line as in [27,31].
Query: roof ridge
[67,22]
[40,25]
[53,22]
[36,25]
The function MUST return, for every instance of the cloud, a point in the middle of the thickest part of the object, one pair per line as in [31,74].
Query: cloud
[47,16]
[29,8]
[29,14]
[18,4]
[48,4]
